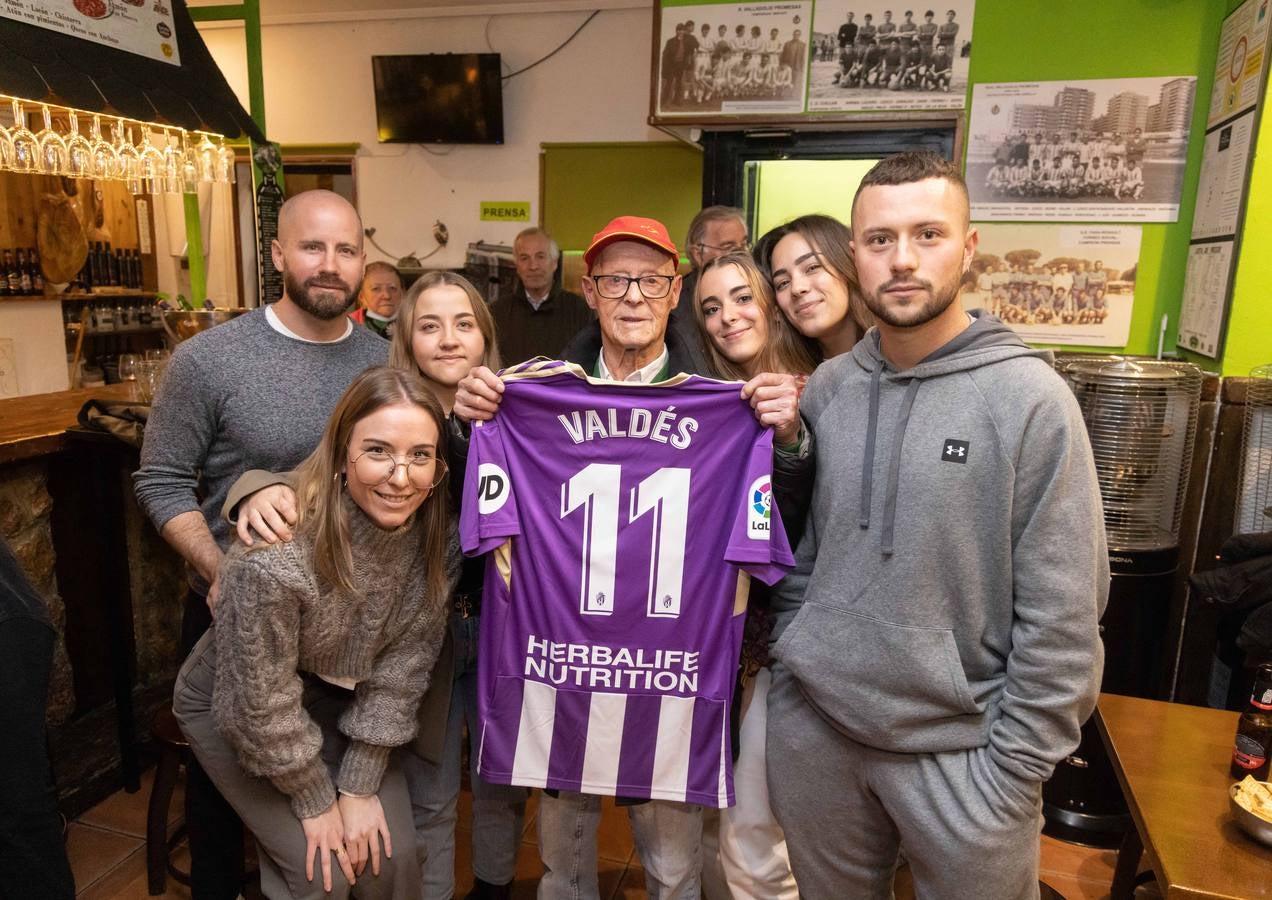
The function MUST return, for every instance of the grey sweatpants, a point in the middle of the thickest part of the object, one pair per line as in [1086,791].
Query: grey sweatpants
[967,828]
[267,812]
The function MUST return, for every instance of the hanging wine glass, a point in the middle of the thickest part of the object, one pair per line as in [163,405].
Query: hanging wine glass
[105,157]
[189,165]
[208,158]
[53,155]
[225,171]
[129,157]
[150,163]
[6,149]
[79,152]
[173,164]
[26,151]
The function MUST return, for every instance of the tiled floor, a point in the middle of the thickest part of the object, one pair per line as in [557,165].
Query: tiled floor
[107,851]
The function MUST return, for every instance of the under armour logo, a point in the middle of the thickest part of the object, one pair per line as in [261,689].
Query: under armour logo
[955,451]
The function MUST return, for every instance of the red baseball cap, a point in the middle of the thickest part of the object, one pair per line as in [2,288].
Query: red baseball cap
[631,228]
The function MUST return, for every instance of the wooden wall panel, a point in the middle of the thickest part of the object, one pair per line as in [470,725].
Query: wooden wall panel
[19,204]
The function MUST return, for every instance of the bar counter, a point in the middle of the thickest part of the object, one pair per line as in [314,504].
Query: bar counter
[112,585]
[36,425]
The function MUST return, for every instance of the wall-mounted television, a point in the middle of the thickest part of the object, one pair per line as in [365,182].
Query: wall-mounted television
[439,98]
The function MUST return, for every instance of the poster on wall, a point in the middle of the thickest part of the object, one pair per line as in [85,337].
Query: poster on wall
[1057,284]
[1205,300]
[732,59]
[879,55]
[1239,64]
[1231,128]
[1106,150]
[1221,187]
[135,26]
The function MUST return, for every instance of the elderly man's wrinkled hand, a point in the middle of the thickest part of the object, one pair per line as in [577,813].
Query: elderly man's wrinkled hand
[478,395]
[775,399]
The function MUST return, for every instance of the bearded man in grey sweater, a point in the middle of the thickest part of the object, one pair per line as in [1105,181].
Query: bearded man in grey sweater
[254,393]
[938,656]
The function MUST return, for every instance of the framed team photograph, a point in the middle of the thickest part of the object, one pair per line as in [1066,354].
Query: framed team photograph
[1057,284]
[724,59]
[1106,150]
[881,55]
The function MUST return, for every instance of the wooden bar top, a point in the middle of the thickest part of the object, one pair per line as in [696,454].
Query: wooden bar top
[1172,760]
[36,425]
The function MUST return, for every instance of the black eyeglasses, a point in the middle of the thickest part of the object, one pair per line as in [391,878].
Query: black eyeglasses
[615,287]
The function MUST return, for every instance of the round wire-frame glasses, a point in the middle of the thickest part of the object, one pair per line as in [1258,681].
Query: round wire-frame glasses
[376,466]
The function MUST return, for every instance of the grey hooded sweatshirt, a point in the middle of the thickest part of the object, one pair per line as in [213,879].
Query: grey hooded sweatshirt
[954,569]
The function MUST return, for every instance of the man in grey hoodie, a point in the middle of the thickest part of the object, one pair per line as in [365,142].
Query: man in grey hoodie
[939,654]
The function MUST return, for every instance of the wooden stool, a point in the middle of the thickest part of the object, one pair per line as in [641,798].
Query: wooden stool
[173,748]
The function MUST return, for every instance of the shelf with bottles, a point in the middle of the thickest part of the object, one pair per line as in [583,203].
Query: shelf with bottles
[105,294]
[112,314]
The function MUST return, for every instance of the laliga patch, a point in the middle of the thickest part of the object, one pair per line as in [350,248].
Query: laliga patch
[759,510]
[493,488]
[955,451]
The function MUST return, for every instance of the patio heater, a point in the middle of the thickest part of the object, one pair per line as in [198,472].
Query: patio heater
[1141,417]
[1254,496]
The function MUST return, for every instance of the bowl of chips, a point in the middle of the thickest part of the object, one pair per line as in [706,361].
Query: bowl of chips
[1251,803]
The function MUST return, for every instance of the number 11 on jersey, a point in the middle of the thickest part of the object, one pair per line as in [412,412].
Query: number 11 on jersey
[665,493]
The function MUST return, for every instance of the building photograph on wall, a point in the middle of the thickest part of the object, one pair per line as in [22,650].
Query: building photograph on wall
[868,55]
[1108,150]
[1057,284]
[732,58]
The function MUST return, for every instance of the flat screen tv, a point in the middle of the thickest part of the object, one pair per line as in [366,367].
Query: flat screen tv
[439,98]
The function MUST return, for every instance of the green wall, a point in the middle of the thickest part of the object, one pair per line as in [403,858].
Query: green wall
[1249,340]
[586,185]
[793,187]
[1024,40]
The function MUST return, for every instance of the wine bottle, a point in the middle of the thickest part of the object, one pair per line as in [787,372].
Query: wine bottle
[37,275]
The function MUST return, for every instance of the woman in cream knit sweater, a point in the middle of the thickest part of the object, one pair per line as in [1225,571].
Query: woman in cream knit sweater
[322,648]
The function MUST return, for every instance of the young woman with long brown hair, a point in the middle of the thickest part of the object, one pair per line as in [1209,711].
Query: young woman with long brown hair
[323,646]
[809,265]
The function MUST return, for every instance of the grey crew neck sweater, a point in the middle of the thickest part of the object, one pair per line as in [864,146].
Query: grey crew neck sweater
[240,396]
[277,618]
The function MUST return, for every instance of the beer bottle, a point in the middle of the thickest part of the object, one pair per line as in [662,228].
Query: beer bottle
[24,274]
[12,278]
[1250,751]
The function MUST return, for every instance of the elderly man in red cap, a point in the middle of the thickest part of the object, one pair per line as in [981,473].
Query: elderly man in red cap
[631,283]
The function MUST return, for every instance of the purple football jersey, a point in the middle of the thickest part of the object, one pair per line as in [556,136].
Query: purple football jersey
[622,521]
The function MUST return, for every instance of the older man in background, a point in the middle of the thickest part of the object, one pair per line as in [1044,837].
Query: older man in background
[540,317]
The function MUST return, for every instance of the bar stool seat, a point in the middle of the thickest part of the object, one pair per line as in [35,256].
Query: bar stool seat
[173,750]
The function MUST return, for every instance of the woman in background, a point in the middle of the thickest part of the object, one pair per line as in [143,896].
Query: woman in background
[378,298]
